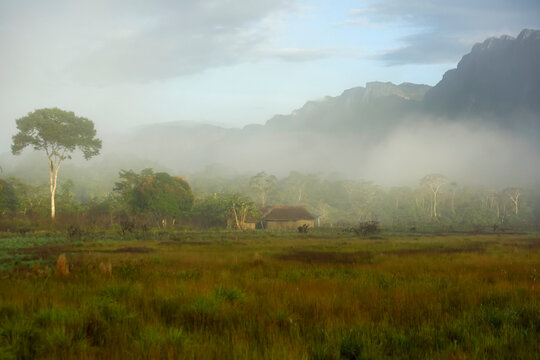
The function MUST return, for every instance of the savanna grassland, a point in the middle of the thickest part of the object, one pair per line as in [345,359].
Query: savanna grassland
[266,295]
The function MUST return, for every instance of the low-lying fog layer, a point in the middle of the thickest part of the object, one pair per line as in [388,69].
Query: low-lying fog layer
[465,152]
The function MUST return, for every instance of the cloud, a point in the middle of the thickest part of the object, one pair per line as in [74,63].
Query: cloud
[103,42]
[185,39]
[439,31]
[301,55]
[164,53]
[425,49]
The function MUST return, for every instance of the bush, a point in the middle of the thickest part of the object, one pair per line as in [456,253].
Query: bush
[366,228]
[352,346]
[303,229]
[74,232]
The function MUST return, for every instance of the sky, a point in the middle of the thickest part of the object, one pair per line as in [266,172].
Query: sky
[127,63]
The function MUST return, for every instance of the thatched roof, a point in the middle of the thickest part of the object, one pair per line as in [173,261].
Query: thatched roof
[251,219]
[288,213]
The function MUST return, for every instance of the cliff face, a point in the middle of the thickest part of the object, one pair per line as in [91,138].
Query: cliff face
[498,82]
[498,78]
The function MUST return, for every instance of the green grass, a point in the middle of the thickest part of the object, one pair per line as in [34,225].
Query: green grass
[274,296]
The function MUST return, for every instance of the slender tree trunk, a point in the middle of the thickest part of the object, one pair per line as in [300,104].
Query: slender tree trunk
[54,166]
[515,201]
[237,221]
[435,204]
[52,185]
[513,194]
[263,198]
[51,172]
[244,213]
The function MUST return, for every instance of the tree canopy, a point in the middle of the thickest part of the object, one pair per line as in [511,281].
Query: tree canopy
[58,133]
[160,194]
[262,183]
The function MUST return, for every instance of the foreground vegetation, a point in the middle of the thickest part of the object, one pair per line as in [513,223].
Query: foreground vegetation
[271,295]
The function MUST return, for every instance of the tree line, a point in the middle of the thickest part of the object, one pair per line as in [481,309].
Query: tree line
[158,199]
[215,199]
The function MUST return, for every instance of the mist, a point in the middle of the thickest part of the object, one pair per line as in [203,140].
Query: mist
[468,154]
[464,151]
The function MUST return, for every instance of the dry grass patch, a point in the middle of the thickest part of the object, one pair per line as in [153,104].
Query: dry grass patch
[323,257]
[62,267]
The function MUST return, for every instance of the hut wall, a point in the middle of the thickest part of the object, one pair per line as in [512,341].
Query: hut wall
[249,226]
[288,225]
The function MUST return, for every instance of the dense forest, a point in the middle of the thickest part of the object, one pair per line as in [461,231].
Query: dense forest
[209,199]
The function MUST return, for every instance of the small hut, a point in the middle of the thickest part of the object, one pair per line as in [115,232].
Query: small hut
[287,218]
[250,223]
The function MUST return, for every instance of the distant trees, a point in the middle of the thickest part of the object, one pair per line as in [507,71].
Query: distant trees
[145,199]
[434,182]
[31,200]
[212,211]
[8,198]
[262,183]
[159,194]
[240,207]
[223,210]
[66,198]
[58,133]
[298,182]
[513,194]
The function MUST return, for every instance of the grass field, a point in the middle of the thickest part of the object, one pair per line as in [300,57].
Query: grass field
[272,296]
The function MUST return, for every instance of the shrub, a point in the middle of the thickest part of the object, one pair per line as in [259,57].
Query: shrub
[366,228]
[74,232]
[232,295]
[352,345]
[19,339]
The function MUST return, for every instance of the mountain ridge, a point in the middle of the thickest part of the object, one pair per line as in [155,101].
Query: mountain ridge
[498,78]
[490,100]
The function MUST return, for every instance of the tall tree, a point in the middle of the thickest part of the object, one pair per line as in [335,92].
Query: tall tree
[513,194]
[241,206]
[262,183]
[298,183]
[58,133]
[434,182]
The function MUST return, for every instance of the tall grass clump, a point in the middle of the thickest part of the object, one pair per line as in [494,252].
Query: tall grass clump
[62,267]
